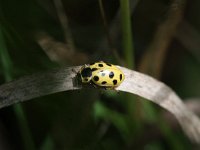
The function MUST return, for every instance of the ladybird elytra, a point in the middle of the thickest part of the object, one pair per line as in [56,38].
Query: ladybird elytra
[110,79]
[101,64]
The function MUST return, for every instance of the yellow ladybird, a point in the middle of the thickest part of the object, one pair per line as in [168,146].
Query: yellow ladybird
[102,74]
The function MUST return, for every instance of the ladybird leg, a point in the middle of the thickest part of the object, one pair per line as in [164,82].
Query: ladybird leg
[105,88]
[108,88]
[94,85]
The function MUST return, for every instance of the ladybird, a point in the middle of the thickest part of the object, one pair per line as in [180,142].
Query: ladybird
[101,74]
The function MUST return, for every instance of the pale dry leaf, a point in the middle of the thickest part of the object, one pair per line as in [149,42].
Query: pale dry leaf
[137,83]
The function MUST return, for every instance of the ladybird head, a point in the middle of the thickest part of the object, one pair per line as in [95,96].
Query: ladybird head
[85,74]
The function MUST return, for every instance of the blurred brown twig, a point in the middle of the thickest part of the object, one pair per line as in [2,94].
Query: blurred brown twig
[152,61]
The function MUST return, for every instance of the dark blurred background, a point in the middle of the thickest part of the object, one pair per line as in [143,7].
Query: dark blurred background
[38,35]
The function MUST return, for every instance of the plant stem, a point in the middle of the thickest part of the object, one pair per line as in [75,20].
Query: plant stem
[132,106]
[127,33]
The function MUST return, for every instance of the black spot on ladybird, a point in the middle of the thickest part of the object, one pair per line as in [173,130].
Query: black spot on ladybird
[108,64]
[100,65]
[94,69]
[96,78]
[114,82]
[104,82]
[86,79]
[111,75]
[86,72]
[120,76]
